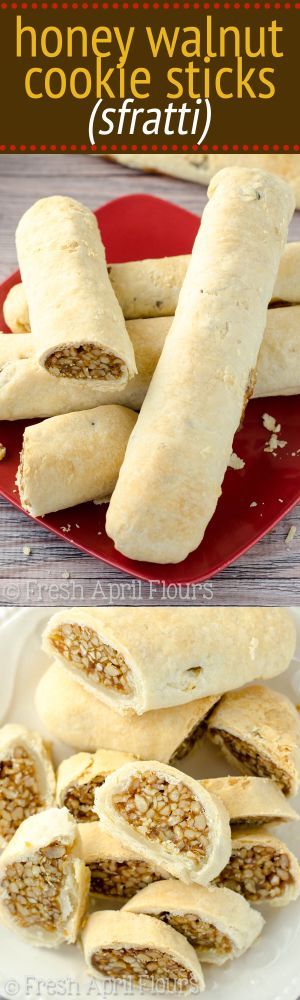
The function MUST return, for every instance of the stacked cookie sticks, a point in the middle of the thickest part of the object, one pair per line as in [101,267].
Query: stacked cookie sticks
[205,360]
[189,859]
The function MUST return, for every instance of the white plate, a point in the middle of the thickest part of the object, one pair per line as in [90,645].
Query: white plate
[269,971]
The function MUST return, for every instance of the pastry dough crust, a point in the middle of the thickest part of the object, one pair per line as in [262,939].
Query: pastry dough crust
[73,458]
[264,839]
[34,834]
[176,655]
[70,298]
[205,372]
[83,768]
[164,853]
[202,167]
[116,930]
[226,911]
[268,723]
[13,735]
[251,801]
[80,720]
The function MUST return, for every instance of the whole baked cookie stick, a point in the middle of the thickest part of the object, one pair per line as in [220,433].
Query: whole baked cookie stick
[176,460]
[76,322]
[72,458]
[150,288]
[138,659]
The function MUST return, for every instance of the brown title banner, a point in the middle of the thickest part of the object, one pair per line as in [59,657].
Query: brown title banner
[137,76]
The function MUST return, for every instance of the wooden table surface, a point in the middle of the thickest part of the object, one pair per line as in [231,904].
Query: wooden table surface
[55,573]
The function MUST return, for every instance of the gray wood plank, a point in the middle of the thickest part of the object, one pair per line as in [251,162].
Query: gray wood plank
[55,573]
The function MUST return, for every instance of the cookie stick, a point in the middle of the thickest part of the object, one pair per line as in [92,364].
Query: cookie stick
[136,659]
[44,882]
[76,322]
[218,923]
[148,288]
[168,818]
[278,366]
[174,466]
[258,730]
[137,949]
[28,391]
[73,458]
[80,720]
[80,775]
[27,779]
[251,801]
[115,870]
[261,868]
[202,167]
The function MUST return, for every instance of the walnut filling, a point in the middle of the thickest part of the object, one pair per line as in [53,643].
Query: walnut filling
[87,361]
[121,878]
[190,742]
[138,964]
[254,820]
[257,872]
[100,662]
[32,888]
[198,932]
[251,760]
[165,812]
[279,304]
[79,799]
[19,791]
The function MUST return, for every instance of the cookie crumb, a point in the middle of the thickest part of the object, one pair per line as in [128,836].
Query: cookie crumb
[273,443]
[26,550]
[236,462]
[65,575]
[291,534]
[253,504]
[270,423]
[2,452]
[66,528]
